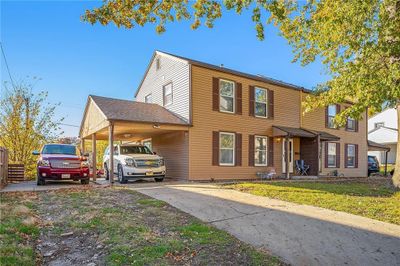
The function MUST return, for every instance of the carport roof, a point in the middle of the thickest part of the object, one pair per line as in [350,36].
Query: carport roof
[132,111]
[373,146]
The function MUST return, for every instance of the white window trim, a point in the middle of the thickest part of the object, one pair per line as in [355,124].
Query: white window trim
[234,152]
[354,161]
[327,154]
[233,96]
[266,103]
[266,150]
[145,98]
[172,94]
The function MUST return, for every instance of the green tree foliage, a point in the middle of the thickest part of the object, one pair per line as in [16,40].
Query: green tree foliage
[26,123]
[358,41]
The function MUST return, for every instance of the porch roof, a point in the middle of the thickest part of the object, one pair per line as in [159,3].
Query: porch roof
[373,146]
[280,131]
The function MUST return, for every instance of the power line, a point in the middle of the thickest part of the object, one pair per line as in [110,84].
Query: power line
[69,125]
[5,60]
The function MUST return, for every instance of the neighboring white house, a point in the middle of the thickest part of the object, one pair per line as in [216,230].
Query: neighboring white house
[383,129]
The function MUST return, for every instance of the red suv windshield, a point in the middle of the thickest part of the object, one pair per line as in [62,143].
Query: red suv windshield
[60,149]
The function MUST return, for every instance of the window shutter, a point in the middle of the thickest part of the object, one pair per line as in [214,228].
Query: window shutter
[326,154]
[238,98]
[337,108]
[270,103]
[270,151]
[338,155]
[251,150]
[215,148]
[326,117]
[356,129]
[238,149]
[356,153]
[251,100]
[215,88]
[346,155]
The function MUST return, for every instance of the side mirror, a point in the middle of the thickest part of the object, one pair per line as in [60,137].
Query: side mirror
[36,153]
[155,153]
[86,154]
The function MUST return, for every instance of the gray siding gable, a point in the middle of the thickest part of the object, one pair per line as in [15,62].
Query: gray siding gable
[172,70]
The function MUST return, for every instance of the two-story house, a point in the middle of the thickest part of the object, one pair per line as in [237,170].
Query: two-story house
[231,125]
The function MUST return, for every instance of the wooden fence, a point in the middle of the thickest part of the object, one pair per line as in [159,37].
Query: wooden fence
[3,166]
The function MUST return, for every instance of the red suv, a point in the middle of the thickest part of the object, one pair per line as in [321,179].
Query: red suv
[61,162]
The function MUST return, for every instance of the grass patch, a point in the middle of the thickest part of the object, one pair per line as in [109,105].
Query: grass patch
[374,200]
[203,234]
[18,230]
[151,202]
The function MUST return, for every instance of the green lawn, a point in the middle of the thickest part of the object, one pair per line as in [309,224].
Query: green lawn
[372,199]
[112,227]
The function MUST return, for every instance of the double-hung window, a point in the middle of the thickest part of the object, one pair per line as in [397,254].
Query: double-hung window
[260,99]
[351,124]
[148,98]
[226,148]
[332,111]
[331,154]
[226,96]
[168,94]
[351,155]
[260,151]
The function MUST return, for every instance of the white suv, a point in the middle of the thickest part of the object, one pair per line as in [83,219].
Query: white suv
[133,161]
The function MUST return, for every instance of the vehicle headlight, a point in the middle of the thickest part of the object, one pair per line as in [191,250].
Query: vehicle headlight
[84,164]
[44,163]
[130,162]
[162,163]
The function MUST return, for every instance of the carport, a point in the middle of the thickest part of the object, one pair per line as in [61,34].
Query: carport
[373,146]
[129,121]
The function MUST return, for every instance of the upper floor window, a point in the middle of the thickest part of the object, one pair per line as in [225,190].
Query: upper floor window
[331,154]
[379,124]
[261,102]
[260,149]
[226,148]
[148,98]
[167,90]
[351,155]
[351,124]
[226,96]
[331,113]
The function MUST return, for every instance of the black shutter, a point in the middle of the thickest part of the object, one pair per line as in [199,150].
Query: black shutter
[270,151]
[238,149]
[238,98]
[270,104]
[251,150]
[215,94]
[338,155]
[251,100]
[215,148]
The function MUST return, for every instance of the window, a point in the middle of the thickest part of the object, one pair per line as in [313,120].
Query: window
[226,148]
[331,154]
[351,155]
[148,144]
[332,111]
[351,124]
[148,98]
[379,124]
[168,94]
[260,149]
[260,99]
[226,96]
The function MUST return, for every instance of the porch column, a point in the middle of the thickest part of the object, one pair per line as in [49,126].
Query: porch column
[287,157]
[111,145]
[319,154]
[83,145]
[386,155]
[94,153]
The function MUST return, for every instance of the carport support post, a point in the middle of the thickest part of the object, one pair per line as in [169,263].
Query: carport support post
[287,157]
[111,145]
[94,161]
[386,155]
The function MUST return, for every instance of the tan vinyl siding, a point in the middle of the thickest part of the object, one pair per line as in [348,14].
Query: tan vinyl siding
[205,121]
[316,120]
[171,70]
[173,147]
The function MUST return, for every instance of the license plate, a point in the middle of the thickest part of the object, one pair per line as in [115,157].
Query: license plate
[65,176]
[149,173]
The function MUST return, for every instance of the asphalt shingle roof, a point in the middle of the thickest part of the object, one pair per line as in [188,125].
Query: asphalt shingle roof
[132,111]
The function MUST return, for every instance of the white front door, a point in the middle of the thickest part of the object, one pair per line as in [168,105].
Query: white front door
[290,142]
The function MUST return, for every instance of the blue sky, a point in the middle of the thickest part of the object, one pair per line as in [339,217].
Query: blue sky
[74,59]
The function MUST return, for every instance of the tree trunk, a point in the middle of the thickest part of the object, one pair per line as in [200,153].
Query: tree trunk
[396,175]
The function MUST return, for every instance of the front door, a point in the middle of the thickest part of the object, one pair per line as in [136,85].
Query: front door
[290,142]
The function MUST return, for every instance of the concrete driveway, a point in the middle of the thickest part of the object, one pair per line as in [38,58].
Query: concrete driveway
[299,234]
